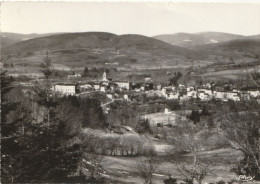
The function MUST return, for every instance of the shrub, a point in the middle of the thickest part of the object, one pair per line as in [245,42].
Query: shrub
[170,180]
[221,182]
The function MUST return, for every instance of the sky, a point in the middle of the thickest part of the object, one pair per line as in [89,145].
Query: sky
[148,19]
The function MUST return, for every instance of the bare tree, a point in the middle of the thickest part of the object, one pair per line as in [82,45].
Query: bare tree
[43,91]
[146,168]
[187,140]
[91,163]
[242,130]
[198,171]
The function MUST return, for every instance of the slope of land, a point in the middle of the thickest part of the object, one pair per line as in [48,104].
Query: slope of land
[8,39]
[98,48]
[240,49]
[191,40]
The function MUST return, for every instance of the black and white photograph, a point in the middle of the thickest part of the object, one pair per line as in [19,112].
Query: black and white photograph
[130,92]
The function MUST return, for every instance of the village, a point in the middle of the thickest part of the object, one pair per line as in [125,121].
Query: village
[111,88]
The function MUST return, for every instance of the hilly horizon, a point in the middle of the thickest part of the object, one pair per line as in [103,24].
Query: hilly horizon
[89,40]
[179,39]
[132,51]
[100,48]
[241,49]
[8,39]
[191,40]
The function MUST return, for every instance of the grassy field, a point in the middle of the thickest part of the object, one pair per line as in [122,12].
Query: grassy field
[124,169]
[230,74]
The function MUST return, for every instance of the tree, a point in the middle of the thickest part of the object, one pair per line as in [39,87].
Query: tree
[9,161]
[242,130]
[175,78]
[170,180]
[146,168]
[45,152]
[195,116]
[7,128]
[85,72]
[186,140]
[43,91]
[92,113]
[143,126]
[204,111]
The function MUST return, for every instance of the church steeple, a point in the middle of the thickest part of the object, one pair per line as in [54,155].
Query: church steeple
[105,76]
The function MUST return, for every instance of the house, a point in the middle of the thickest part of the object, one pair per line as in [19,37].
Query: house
[158,86]
[86,87]
[77,75]
[245,95]
[254,93]
[206,91]
[190,89]
[172,95]
[166,111]
[96,87]
[65,89]
[219,94]
[192,94]
[102,88]
[126,97]
[147,79]
[123,84]
[232,96]
[183,97]
[203,96]
[110,96]
[225,96]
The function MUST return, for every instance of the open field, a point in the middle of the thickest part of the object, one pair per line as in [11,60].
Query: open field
[124,169]
[230,74]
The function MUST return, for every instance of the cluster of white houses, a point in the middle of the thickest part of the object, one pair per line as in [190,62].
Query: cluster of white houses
[205,93]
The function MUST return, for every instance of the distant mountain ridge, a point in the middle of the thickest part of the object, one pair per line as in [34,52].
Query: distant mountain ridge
[95,40]
[133,51]
[241,48]
[8,39]
[99,48]
[191,40]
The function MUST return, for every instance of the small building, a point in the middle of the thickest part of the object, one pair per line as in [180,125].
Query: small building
[206,91]
[123,84]
[126,97]
[232,96]
[102,88]
[158,86]
[65,89]
[96,87]
[86,87]
[192,94]
[147,79]
[254,93]
[77,75]
[219,94]
[166,111]
[203,96]
[110,96]
[190,89]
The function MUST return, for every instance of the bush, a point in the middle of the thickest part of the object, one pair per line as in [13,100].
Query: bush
[221,182]
[170,180]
